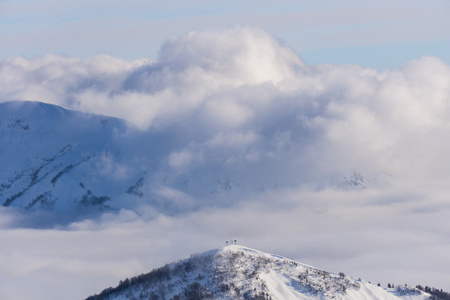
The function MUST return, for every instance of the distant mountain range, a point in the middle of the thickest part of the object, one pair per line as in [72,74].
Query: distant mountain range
[237,272]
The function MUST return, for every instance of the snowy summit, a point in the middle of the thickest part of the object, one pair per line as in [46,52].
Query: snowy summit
[237,272]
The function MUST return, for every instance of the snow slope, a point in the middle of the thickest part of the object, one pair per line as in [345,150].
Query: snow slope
[56,159]
[237,272]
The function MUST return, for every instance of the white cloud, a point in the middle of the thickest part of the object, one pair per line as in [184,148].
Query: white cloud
[107,166]
[233,139]
[181,159]
[239,56]
[243,80]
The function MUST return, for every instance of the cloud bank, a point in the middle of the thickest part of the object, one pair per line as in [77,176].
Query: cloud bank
[242,108]
[244,90]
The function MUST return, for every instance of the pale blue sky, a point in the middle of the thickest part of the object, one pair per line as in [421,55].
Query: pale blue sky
[381,34]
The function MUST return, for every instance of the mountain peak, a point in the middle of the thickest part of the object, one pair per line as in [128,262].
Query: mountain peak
[238,272]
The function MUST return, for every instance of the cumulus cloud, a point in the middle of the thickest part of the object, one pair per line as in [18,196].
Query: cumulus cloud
[205,84]
[248,141]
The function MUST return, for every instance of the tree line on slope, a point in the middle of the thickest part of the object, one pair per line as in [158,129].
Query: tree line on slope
[437,294]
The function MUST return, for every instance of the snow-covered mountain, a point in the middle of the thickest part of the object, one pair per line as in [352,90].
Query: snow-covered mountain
[59,160]
[237,272]
[55,159]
